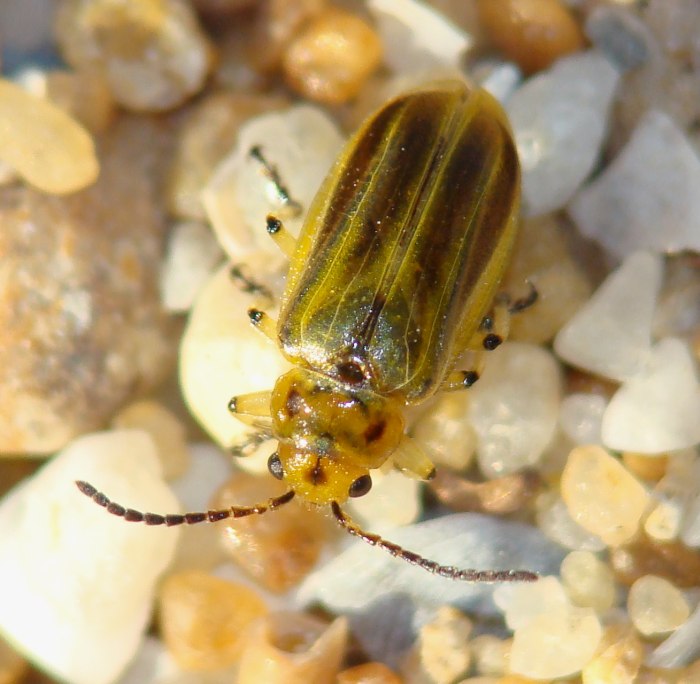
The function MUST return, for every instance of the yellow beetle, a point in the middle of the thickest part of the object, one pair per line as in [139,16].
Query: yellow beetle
[397,264]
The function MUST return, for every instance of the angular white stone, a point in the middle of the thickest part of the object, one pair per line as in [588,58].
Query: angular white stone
[514,407]
[417,37]
[659,409]
[192,256]
[648,197]
[223,355]
[301,143]
[77,584]
[559,119]
[611,334]
[522,603]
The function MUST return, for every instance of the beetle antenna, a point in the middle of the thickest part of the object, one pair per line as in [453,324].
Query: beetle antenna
[132,515]
[449,571]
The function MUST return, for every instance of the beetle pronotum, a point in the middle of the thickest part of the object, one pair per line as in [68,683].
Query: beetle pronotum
[397,264]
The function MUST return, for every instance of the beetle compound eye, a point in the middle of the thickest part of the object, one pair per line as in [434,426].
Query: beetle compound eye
[360,486]
[274,465]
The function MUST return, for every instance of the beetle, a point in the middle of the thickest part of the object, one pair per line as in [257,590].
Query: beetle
[394,272]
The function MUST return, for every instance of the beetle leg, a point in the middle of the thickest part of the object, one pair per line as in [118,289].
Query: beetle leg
[411,460]
[266,325]
[293,207]
[256,404]
[250,444]
[248,285]
[282,237]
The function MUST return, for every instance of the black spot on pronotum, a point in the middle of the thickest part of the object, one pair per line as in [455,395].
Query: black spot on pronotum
[350,372]
[294,403]
[274,465]
[360,486]
[374,431]
[317,476]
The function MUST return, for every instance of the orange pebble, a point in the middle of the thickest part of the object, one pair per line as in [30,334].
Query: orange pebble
[533,33]
[368,673]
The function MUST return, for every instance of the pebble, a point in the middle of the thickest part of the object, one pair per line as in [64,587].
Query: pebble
[192,255]
[522,603]
[154,56]
[48,148]
[589,582]
[277,549]
[690,534]
[395,500]
[293,648]
[441,653]
[533,33]
[602,496]
[13,667]
[619,658]
[680,648]
[646,467]
[657,410]
[646,198]
[664,521]
[75,579]
[544,257]
[416,37]
[204,619]
[611,334]
[514,408]
[332,57]
[368,673]
[556,644]
[580,417]
[490,655]
[206,136]
[555,521]
[222,355]
[301,143]
[82,328]
[498,78]
[166,431]
[656,606]
[559,119]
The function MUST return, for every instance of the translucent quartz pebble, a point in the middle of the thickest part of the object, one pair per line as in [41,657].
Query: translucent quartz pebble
[664,521]
[559,119]
[204,619]
[555,644]
[152,53]
[522,603]
[658,409]
[647,197]
[618,660]
[601,495]
[293,648]
[611,334]
[554,519]
[620,34]
[75,579]
[490,654]
[589,582]
[46,146]
[301,143]
[514,407]
[395,500]
[191,258]
[580,417]
[656,606]
[389,599]
[222,355]
[416,37]
[681,647]
[500,79]
[167,432]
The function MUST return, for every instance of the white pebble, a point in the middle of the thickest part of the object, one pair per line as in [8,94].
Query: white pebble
[500,78]
[647,198]
[681,648]
[554,520]
[589,582]
[557,644]
[655,606]
[74,579]
[222,355]
[301,143]
[664,521]
[416,37]
[514,408]
[191,257]
[657,410]
[602,495]
[559,119]
[580,417]
[690,534]
[522,603]
[611,334]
